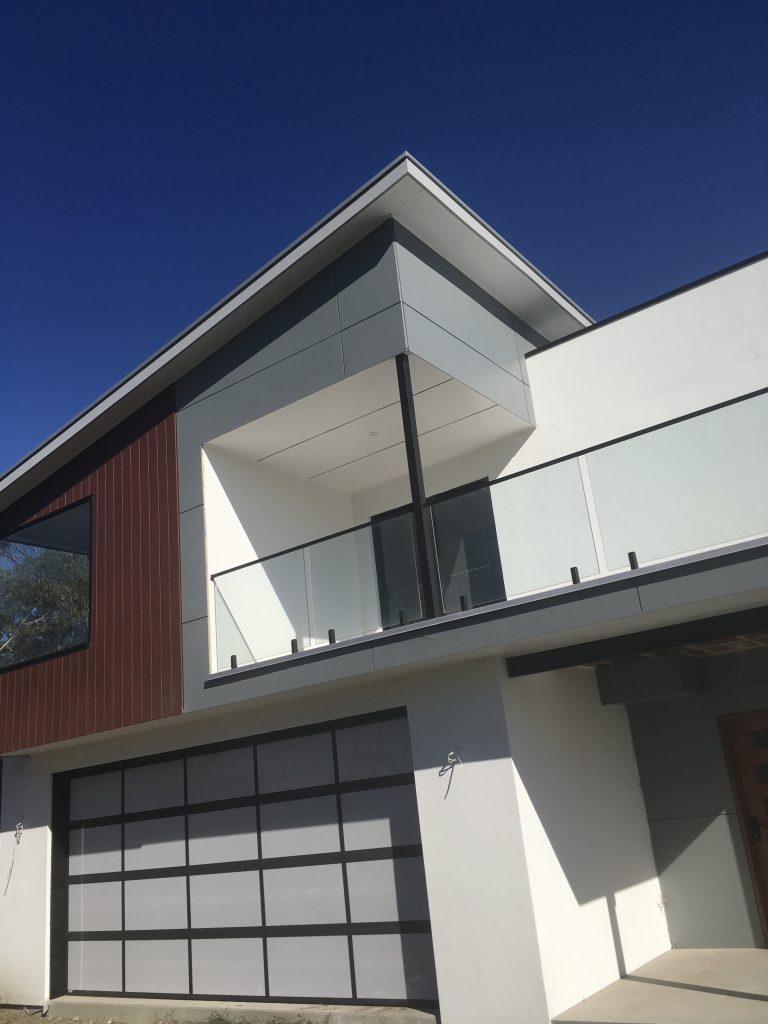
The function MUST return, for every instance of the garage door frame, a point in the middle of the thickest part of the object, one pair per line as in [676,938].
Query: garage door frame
[60,879]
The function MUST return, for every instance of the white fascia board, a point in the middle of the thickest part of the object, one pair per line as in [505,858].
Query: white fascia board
[380,198]
[518,262]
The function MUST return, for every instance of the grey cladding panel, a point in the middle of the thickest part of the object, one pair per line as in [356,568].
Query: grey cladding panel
[451,355]
[373,340]
[307,316]
[435,288]
[366,277]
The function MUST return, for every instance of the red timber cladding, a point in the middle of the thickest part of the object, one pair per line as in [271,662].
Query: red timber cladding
[131,671]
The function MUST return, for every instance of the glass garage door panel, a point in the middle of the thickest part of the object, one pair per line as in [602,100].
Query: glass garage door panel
[278,867]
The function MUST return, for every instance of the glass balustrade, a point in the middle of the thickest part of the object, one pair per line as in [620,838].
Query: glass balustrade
[349,585]
[684,488]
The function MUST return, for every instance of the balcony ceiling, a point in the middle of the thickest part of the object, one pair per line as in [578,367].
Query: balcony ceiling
[349,437]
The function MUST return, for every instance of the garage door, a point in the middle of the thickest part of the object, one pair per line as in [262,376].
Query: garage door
[278,867]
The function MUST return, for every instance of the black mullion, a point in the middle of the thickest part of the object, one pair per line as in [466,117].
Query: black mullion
[239,741]
[259,931]
[264,952]
[345,880]
[122,871]
[279,796]
[234,866]
[186,864]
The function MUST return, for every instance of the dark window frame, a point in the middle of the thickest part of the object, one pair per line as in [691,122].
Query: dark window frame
[85,644]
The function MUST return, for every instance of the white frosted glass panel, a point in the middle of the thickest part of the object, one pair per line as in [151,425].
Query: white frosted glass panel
[307,895]
[296,763]
[157,965]
[267,606]
[542,528]
[298,827]
[229,637]
[95,796]
[388,890]
[380,817]
[220,776]
[690,485]
[154,785]
[228,967]
[94,849]
[377,748]
[156,843]
[152,903]
[394,966]
[95,907]
[315,967]
[228,899]
[343,589]
[218,836]
[95,966]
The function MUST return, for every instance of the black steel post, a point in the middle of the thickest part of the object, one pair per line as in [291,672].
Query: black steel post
[426,554]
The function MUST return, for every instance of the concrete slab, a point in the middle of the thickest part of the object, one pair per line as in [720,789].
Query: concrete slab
[684,986]
[179,1011]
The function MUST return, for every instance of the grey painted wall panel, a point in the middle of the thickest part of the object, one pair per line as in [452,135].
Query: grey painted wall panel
[448,353]
[380,337]
[678,749]
[192,544]
[366,277]
[705,882]
[751,574]
[307,316]
[194,637]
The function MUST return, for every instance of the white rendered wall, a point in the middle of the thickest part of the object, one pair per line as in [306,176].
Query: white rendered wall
[484,936]
[595,890]
[704,346]
[24,880]
[252,511]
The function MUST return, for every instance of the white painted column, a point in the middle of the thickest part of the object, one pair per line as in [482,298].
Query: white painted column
[24,882]
[484,934]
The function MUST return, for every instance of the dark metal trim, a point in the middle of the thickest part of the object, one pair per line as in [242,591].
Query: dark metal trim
[59,885]
[257,931]
[424,537]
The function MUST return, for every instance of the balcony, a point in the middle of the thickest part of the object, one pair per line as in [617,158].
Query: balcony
[694,486]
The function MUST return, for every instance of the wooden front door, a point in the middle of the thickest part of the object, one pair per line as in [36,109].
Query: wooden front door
[746,744]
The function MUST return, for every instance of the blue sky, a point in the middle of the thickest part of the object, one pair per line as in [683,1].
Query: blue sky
[154,155]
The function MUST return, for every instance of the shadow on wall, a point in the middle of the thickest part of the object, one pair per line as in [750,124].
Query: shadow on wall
[575,760]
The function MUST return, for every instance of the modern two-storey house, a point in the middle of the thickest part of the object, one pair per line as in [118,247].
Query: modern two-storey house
[396,635]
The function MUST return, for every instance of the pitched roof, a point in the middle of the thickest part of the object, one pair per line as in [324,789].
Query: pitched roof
[404,190]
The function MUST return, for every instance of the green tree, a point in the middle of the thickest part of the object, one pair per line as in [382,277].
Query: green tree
[44,601]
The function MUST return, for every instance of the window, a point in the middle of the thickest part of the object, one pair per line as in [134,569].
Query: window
[45,586]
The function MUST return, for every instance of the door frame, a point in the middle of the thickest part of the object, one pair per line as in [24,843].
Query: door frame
[728,726]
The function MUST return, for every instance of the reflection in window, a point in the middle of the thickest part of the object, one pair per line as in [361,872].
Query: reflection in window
[45,571]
